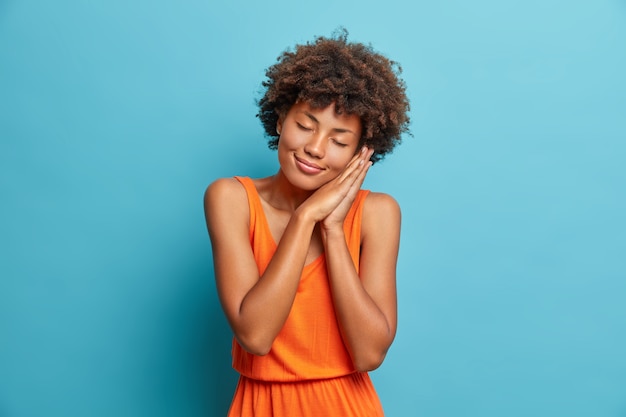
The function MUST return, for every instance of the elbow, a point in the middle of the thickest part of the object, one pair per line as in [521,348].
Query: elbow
[255,346]
[257,350]
[370,356]
[370,362]
[253,338]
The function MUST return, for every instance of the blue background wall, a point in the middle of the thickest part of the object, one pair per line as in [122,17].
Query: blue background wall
[114,116]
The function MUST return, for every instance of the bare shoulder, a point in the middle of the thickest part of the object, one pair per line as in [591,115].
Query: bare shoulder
[224,192]
[380,212]
[377,204]
[225,199]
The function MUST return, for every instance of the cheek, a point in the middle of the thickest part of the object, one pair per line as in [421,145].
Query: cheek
[290,139]
[340,162]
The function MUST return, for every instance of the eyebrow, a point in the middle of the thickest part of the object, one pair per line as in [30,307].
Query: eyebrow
[336,129]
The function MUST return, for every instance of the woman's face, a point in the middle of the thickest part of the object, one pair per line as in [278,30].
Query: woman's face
[315,145]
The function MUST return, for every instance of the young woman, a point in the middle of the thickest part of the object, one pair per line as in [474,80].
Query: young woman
[305,261]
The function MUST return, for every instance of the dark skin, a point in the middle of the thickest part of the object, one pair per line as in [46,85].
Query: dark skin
[321,171]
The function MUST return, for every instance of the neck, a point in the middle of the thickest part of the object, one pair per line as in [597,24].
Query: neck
[283,195]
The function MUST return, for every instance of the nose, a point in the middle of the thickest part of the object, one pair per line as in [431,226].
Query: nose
[316,146]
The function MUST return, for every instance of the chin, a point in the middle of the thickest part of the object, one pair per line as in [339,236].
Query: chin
[306,182]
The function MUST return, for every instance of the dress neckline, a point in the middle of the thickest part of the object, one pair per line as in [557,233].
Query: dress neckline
[266,225]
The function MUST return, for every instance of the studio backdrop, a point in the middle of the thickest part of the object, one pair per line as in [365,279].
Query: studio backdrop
[116,115]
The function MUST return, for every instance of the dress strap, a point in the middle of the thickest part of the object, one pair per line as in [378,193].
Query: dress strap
[261,239]
[253,195]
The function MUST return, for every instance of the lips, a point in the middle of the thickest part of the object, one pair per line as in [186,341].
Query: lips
[307,167]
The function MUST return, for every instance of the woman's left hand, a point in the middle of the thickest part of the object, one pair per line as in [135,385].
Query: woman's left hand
[336,218]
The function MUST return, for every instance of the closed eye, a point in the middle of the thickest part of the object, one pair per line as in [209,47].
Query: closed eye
[336,142]
[303,127]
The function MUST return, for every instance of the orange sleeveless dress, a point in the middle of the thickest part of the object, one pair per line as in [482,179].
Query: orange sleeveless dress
[308,371]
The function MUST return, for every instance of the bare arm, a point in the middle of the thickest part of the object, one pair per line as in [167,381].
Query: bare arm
[366,305]
[257,307]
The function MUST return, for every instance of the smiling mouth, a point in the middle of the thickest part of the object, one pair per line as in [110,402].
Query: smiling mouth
[307,167]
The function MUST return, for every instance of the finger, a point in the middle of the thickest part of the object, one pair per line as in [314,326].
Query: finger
[361,165]
[356,185]
[365,164]
[354,165]
[358,181]
[357,157]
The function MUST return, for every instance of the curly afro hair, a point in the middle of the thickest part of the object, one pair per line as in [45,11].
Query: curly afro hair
[353,76]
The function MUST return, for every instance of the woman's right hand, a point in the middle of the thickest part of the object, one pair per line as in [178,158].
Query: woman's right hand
[331,202]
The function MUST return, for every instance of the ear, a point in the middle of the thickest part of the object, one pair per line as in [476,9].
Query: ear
[279,125]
